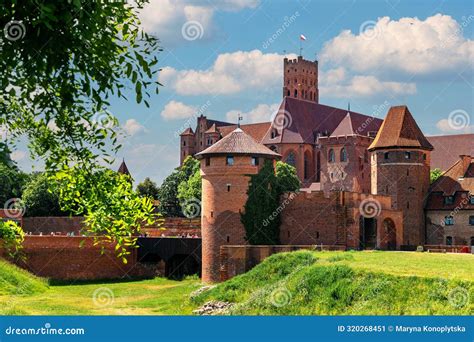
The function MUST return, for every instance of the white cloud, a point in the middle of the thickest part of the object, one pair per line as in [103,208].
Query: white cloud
[261,113]
[231,73]
[407,45]
[18,155]
[132,127]
[447,126]
[177,110]
[336,83]
[167,17]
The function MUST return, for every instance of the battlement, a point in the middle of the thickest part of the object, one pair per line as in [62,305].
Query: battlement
[344,139]
[299,60]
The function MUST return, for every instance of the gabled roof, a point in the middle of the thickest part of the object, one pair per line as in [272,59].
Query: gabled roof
[345,127]
[300,121]
[399,129]
[447,149]
[123,169]
[238,142]
[257,130]
[212,129]
[188,131]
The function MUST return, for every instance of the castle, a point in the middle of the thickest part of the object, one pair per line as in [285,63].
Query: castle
[366,181]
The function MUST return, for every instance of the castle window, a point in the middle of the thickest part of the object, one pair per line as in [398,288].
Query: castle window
[449,240]
[291,159]
[255,161]
[424,156]
[343,156]
[471,220]
[408,205]
[296,93]
[208,161]
[273,134]
[184,143]
[448,220]
[407,155]
[288,93]
[229,160]
[472,240]
[228,187]
[212,213]
[317,235]
[471,199]
[385,155]
[228,238]
[331,156]
[448,200]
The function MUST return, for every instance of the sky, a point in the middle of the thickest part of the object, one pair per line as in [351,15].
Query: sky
[221,58]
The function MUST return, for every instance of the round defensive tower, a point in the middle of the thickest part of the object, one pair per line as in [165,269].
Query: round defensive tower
[401,169]
[225,170]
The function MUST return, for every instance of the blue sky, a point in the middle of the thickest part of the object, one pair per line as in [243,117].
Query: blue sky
[225,57]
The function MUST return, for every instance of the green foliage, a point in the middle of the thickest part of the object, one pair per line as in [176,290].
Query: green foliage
[435,174]
[12,181]
[148,188]
[39,199]
[61,61]
[261,218]
[12,237]
[286,176]
[181,187]
[113,211]
[168,195]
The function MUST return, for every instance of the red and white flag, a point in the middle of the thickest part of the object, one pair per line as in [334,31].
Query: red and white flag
[302,37]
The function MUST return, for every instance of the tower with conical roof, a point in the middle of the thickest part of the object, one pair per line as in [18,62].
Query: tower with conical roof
[401,169]
[225,170]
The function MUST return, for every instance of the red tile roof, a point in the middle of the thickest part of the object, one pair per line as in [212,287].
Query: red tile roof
[238,142]
[256,131]
[399,129]
[123,169]
[212,129]
[457,181]
[188,131]
[448,148]
[300,121]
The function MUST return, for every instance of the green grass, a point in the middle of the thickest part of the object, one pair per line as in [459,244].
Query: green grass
[303,283]
[352,283]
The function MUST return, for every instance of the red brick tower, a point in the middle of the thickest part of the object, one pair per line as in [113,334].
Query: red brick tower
[188,142]
[401,169]
[225,170]
[300,79]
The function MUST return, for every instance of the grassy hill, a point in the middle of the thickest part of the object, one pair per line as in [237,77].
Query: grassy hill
[15,281]
[352,283]
[346,283]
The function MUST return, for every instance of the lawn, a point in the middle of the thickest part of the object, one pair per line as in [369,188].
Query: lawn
[302,282]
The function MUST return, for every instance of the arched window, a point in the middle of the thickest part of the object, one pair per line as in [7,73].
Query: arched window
[288,94]
[296,93]
[472,240]
[291,159]
[343,155]
[331,156]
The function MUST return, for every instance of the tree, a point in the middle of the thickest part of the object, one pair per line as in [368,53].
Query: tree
[189,189]
[148,188]
[113,211]
[261,217]
[190,166]
[61,62]
[39,199]
[435,174]
[286,177]
[12,181]
[168,195]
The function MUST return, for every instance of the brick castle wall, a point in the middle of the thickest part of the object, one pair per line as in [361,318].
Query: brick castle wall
[62,258]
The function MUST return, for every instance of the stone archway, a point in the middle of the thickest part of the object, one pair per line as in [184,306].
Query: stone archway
[390,234]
